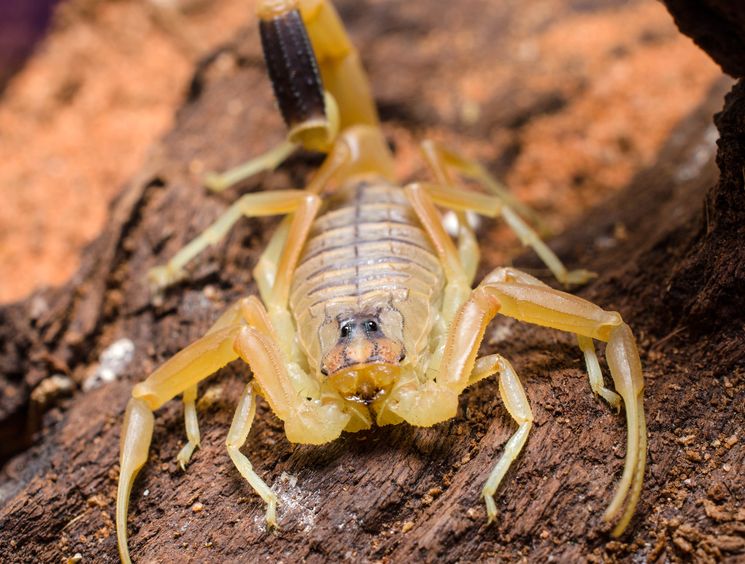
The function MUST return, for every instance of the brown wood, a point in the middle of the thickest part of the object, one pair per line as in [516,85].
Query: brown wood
[395,493]
[717,26]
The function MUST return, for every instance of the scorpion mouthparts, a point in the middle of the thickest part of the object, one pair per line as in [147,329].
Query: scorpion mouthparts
[364,382]
[355,349]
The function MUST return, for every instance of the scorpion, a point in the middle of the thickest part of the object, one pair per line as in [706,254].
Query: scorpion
[367,313]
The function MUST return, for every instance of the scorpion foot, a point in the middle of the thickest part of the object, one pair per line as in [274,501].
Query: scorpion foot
[161,277]
[185,453]
[271,514]
[491,508]
[611,397]
[216,182]
[577,277]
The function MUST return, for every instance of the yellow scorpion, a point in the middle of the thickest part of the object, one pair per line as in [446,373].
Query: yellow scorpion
[367,311]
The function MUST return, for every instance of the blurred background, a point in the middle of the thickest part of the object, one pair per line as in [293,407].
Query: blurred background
[23,23]
[88,86]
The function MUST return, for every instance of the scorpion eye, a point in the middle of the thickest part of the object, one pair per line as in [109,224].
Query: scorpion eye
[370,326]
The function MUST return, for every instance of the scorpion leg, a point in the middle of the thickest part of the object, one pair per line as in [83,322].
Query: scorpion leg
[267,266]
[231,316]
[513,395]
[439,158]
[458,283]
[436,399]
[514,399]
[239,429]
[429,404]
[182,372]
[249,205]
[585,343]
[258,346]
[274,355]
[307,419]
[265,271]
[596,375]
[268,345]
[499,203]
[192,427]
[467,245]
[220,181]
[459,203]
[224,342]
[545,306]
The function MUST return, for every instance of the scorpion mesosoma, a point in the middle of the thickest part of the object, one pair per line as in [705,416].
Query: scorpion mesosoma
[367,314]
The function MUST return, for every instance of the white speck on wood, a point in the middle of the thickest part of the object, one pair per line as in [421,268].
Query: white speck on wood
[111,364]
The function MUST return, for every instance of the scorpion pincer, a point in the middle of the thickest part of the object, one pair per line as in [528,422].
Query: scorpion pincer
[367,312]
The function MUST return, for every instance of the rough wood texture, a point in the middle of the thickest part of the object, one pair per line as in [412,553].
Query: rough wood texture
[717,26]
[707,286]
[395,493]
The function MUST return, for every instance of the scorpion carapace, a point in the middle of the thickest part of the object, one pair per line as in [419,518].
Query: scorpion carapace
[367,312]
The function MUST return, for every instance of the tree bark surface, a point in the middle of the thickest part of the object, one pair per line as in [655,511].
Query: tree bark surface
[394,493]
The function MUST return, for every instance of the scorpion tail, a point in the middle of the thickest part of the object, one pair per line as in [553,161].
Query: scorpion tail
[135,443]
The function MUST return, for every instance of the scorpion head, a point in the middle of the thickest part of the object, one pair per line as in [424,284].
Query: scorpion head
[366,357]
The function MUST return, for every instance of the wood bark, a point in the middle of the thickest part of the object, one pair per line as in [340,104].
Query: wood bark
[395,493]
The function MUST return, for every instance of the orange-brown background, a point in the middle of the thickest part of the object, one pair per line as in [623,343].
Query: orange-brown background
[77,121]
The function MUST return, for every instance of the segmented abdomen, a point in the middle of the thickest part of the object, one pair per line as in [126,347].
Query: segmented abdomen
[367,244]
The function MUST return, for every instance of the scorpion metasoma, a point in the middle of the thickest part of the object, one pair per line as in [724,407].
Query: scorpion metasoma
[367,312]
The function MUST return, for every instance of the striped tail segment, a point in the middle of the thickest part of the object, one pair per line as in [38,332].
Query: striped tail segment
[292,67]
